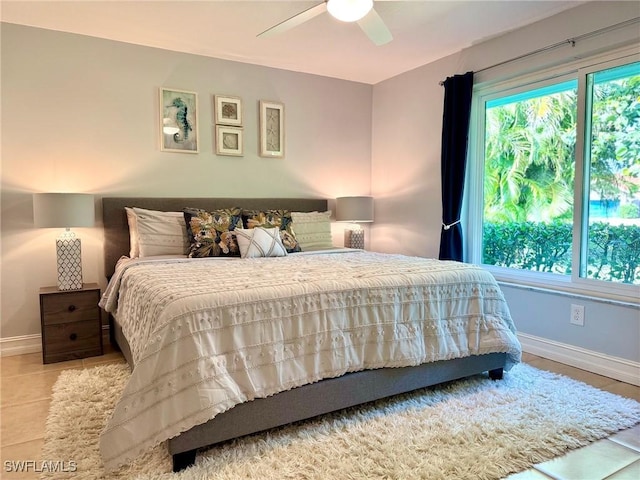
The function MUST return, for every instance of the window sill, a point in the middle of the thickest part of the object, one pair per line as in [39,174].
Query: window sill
[565,287]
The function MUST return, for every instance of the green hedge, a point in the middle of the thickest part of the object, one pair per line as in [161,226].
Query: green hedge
[614,250]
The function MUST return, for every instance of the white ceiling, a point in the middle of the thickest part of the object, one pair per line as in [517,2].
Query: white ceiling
[423,31]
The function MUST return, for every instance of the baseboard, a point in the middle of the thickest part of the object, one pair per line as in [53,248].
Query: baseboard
[20,345]
[595,362]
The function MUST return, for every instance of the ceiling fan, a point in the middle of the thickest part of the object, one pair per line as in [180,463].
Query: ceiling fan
[360,11]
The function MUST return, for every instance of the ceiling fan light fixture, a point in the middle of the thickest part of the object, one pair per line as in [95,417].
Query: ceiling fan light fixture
[349,10]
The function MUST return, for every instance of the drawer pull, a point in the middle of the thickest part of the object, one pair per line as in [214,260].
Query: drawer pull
[72,308]
[73,336]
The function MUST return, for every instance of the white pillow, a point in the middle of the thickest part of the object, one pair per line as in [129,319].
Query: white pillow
[313,229]
[132,220]
[158,233]
[260,242]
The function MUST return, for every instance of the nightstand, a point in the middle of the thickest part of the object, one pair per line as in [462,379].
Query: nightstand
[71,323]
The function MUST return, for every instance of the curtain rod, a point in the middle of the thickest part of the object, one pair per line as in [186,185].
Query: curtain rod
[569,41]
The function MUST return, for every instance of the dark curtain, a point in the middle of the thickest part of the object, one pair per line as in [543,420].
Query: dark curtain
[455,133]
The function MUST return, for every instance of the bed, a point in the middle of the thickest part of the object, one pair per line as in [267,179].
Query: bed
[483,341]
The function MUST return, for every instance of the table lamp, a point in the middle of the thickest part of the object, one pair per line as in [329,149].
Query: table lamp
[65,210]
[354,210]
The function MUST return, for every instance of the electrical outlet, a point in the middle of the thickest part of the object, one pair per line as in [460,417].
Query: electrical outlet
[577,315]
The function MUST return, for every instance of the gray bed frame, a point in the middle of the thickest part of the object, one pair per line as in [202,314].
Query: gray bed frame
[299,403]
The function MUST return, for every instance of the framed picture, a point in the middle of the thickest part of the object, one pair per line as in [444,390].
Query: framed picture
[178,121]
[271,129]
[228,110]
[229,140]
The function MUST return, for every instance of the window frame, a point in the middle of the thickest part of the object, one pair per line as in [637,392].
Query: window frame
[473,206]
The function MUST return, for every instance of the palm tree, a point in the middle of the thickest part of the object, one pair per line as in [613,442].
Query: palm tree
[529,161]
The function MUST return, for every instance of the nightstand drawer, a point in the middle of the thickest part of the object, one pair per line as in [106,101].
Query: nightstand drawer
[80,337]
[70,307]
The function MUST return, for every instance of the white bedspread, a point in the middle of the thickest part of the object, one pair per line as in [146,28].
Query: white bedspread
[208,334]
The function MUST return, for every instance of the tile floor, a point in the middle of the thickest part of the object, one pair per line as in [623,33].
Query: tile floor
[25,393]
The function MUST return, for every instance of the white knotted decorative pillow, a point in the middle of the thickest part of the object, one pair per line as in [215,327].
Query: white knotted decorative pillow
[260,242]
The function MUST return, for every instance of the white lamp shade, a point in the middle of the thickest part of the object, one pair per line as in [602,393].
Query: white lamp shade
[354,209]
[63,210]
[349,10]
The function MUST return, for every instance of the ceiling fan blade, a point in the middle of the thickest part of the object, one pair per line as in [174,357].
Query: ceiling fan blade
[296,20]
[375,28]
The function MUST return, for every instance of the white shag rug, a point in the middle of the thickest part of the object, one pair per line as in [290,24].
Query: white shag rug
[468,429]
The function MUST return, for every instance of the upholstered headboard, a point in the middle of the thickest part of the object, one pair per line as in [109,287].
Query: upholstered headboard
[116,229]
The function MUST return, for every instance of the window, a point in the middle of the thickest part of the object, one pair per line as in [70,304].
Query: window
[555,167]
[529,172]
[611,250]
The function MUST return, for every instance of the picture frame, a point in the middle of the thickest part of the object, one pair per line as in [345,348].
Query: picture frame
[229,140]
[271,129]
[228,110]
[178,121]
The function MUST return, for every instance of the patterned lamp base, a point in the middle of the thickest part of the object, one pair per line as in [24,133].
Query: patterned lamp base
[69,261]
[354,239]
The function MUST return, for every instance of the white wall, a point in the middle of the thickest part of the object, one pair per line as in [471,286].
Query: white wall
[81,114]
[407,128]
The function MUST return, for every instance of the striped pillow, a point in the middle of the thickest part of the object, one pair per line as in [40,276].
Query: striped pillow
[313,230]
[153,232]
